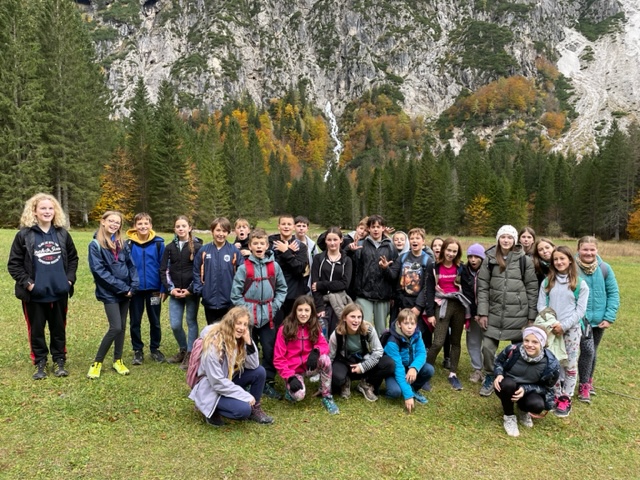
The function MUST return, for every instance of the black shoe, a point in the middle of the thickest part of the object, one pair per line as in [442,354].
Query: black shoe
[446,363]
[215,420]
[138,358]
[158,356]
[41,370]
[60,371]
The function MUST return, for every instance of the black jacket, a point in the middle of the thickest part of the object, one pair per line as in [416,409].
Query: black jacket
[294,265]
[469,285]
[407,300]
[176,267]
[329,278]
[372,282]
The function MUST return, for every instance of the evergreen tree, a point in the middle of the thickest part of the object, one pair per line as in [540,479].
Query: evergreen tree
[277,181]
[258,179]
[424,201]
[239,173]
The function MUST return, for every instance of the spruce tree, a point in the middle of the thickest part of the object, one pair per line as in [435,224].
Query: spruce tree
[258,179]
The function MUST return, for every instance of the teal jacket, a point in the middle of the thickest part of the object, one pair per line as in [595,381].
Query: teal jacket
[604,296]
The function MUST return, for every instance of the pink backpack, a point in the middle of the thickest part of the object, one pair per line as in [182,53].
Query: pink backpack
[194,364]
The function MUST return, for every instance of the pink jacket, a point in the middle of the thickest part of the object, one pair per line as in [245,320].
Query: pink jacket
[290,358]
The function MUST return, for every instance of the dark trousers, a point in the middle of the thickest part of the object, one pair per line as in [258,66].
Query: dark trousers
[237,409]
[450,327]
[142,299]
[342,369]
[266,338]
[215,314]
[423,376]
[37,315]
[531,402]
[117,317]
[588,349]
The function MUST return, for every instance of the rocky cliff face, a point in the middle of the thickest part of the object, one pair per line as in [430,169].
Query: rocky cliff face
[214,50]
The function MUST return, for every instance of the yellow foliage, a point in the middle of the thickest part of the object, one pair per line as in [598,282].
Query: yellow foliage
[633,225]
[118,188]
[478,216]
[554,122]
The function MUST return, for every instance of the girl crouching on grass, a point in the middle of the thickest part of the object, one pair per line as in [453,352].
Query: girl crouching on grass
[301,351]
[229,362]
[525,373]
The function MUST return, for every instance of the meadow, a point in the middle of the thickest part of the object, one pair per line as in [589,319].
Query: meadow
[144,426]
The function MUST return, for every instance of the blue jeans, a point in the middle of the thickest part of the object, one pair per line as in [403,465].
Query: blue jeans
[177,308]
[139,301]
[424,375]
[237,409]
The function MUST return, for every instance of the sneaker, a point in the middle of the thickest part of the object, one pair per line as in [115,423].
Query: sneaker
[270,391]
[476,376]
[258,415]
[138,358]
[185,362]
[41,370]
[345,391]
[177,358]
[511,425]
[446,363]
[525,419]
[314,378]
[330,405]
[584,394]
[215,420]
[487,386]
[427,386]
[563,406]
[158,356]
[287,397]
[366,389]
[94,370]
[592,389]
[455,383]
[418,397]
[60,371]
[119,367]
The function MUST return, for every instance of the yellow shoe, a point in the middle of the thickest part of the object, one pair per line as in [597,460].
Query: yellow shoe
[94,371]
[119,367]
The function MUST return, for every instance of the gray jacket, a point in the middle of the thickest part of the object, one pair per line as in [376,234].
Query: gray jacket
[370,358]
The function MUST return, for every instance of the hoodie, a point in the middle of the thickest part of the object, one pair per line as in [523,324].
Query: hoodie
[147,256]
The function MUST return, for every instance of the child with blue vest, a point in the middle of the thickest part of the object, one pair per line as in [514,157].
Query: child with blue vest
[406,349]
[146,251]
[213,270]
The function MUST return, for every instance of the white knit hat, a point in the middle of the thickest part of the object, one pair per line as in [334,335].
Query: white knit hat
[507,230]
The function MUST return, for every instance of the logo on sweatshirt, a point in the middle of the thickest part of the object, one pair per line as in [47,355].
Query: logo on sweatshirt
[227,258]
[48,252]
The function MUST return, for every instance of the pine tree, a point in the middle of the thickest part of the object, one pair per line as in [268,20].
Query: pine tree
[258,179]
[239,173]
[424,202]
[278,181]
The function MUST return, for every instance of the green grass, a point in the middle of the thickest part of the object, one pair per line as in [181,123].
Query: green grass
[143,425]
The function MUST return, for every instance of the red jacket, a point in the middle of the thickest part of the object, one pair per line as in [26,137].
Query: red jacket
[290,358]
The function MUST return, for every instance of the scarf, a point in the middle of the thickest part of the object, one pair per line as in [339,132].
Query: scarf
[587,268]
[525,356]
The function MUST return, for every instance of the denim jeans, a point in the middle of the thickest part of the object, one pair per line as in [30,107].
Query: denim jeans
[424,375]
[177,307]
[237,409]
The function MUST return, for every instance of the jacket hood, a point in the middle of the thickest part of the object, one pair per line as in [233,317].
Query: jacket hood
[394,329]
[268,257]
[133,235]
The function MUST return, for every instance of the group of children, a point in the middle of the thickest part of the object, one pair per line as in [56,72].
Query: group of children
[309,312]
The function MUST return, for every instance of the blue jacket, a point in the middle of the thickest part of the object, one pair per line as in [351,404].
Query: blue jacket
[604,296]
[147,257]
[114,277]
[406,354]
[217,267]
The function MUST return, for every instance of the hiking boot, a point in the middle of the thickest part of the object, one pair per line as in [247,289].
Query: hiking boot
[94,370]
[215,420]
[119,367]
[258,415]
[271,392]
[476,376]
[446,363]
[158,356]
[185,362]
[366,389]
[584,394]
[563,406]
[345,391]
[177,358]
[487,387]
[41,370]
[511,425]
[455,383]
[525,419]
[138,358]
[330,405]
[60,371]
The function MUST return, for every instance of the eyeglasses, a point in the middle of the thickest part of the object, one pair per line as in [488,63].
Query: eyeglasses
[113,222]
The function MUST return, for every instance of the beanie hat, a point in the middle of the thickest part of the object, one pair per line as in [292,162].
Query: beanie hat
[477,250]
[536,331]
[507,230]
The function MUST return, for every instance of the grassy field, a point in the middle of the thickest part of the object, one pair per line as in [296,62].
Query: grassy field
[144,426]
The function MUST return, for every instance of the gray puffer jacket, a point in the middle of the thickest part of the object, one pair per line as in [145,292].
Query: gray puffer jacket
[504,297]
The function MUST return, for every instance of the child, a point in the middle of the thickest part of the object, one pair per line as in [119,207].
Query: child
[559,292]
[116,279]
[542,258]
[301,350]
[213,270]
[507,297]
[330,277]
[356,353]
[374,282]
[43,261]
[406,349]
[234,380]
[527,238]
[146,251]
[469,282]
[602,308]
[401,242]
[242,230]
[525,374]
[302,227]
[176,274]
[453,308]
[259,285]
[436,245]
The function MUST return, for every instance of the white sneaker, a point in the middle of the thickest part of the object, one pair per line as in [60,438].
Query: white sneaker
[511,425]
[314,378]
[525,419]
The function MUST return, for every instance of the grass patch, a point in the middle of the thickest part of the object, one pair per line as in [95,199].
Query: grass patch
[143,425]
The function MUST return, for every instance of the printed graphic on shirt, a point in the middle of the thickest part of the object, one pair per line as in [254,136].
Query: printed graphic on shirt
[410,278]
[48,252]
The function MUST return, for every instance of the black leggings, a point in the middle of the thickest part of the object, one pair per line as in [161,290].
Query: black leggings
[341,369]
[117,317]
[530,402]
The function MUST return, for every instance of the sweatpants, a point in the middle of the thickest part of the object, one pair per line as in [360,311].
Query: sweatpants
[588,354]
[453,318]
[324,369]
[37,315]
[342,369]
[566,384]
[150,300]
[376,312]
[237,409]
[531,402]
[474,344]
[265,336]
[117,318]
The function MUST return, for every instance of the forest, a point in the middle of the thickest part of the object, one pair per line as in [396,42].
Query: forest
[59,134]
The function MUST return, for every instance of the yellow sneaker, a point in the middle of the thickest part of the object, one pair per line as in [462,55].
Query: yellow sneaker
[119,367]
[94,371]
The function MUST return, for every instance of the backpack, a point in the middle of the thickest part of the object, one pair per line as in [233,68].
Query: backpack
[194,363]
[250,279]
[364,345]
[387,336]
